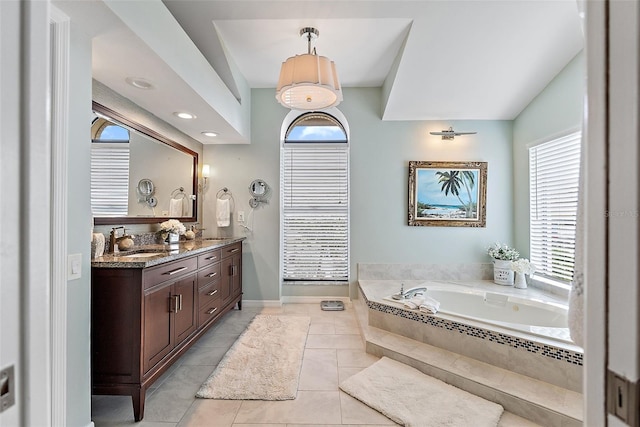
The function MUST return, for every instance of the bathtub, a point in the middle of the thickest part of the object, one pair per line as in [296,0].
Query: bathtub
[534,316]
[524,331]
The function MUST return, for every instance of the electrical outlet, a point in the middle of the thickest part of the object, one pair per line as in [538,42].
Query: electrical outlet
[240,216]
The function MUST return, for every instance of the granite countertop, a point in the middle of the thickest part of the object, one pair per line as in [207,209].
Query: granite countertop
[161,253]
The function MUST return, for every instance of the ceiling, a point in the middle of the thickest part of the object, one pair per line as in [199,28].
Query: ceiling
[436,60]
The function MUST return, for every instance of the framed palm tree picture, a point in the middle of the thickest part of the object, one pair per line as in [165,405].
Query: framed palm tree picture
[447,194]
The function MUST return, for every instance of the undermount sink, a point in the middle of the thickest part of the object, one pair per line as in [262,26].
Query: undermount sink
[143,254]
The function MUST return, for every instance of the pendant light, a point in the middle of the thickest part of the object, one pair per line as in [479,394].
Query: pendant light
[308,81]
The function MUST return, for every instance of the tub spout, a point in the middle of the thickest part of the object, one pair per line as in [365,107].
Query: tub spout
[410,293]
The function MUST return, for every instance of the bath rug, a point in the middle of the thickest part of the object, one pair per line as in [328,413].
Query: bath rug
[411,398]
[263,364]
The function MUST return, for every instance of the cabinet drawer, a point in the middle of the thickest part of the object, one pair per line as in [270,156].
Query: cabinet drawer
[209,293]
[227,251]
[208,274]
[209,311]
[208,258]
[154,275]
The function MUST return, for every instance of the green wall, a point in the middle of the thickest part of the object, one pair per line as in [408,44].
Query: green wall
[79,231]
[555,111]
[380,154]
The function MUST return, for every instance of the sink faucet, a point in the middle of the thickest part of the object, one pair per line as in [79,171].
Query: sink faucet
[410,293]
[113,240]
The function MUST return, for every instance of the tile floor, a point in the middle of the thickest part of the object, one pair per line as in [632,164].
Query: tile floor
[334,351]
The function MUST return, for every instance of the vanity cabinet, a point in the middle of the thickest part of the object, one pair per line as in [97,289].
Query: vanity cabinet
[143,319]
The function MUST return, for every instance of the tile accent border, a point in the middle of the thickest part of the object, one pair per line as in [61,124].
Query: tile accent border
[572,357]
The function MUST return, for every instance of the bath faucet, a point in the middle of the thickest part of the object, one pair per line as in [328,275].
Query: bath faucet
[409,293]
[113,240]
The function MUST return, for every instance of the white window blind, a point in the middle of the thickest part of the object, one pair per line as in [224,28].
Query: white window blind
[554,169]
[315,178]
[109,179]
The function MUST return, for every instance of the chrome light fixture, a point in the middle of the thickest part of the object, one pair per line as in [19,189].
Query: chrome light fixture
[449,134]
[308,81]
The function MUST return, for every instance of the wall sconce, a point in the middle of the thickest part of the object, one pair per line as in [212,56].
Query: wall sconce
[206,171]
[449,134]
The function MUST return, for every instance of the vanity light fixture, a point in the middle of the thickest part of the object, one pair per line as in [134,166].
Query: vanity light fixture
[184,115]
[449,134]
[139,82]
[209,133]
[308,81]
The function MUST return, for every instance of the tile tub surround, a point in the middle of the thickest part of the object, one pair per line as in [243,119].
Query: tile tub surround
[464,271]
[546,360]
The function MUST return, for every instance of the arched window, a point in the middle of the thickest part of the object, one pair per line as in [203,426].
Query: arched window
[109,169]
[315,200]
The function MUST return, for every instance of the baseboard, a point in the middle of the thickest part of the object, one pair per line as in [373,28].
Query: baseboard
[312,299]
[261,303]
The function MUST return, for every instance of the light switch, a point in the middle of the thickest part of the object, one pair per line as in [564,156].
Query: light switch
[240,216]
[74,266]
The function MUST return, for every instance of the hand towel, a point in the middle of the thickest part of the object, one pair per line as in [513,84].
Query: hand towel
[414,302]
[223,213]
[430,305]
[175,208]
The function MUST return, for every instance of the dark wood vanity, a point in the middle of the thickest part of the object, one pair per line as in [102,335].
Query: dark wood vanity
[145,313]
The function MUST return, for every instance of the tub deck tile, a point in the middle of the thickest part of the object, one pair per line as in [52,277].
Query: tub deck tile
[520,395]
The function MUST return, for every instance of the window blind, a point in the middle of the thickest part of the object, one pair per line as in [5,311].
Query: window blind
[315,212]
[554,169]
[109,179]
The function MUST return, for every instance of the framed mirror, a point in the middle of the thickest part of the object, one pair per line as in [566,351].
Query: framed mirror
[132,164]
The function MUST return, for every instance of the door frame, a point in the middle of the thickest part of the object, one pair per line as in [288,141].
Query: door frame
[60,46]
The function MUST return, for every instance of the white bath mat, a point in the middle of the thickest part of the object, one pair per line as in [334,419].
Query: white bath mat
[411,398]
[264,362]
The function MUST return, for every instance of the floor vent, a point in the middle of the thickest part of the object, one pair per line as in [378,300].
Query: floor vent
[332,305]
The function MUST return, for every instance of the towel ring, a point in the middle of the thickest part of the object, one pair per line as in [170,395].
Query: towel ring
[224,194]
[178,192]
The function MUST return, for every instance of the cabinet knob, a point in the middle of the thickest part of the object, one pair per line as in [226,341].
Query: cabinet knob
[213,292]
[212,274]
[212,310]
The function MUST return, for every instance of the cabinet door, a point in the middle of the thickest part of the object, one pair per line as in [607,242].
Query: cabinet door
[227,278]
[158,325]
[236,275]
[185,310]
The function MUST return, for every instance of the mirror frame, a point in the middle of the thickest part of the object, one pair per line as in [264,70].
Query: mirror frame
[120,119]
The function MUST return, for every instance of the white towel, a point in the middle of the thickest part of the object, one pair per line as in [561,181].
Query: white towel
[175,207]
[430,305]
[414,302]
[223,213]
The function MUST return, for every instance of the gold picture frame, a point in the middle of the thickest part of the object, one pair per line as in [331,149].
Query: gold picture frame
[447,194]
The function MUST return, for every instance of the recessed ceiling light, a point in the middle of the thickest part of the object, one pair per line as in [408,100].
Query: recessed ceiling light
[139,82]
[184,115]
[209,133]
